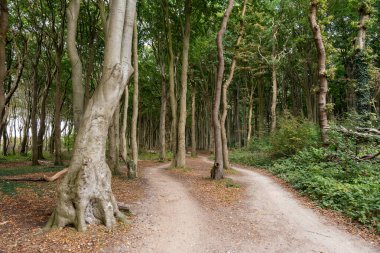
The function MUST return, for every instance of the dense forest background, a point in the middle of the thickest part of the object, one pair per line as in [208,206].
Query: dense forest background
[271,79]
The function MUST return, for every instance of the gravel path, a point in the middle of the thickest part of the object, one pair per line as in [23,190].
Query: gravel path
[270,219]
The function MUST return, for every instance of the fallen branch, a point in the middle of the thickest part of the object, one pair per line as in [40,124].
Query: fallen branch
[44,178]
[369,135]
[370,157]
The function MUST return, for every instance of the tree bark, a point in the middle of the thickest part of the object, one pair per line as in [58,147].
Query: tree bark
[3,40]
[193,124]
[85,195]
[323,86]
[180,158]
[363,89]
[250,112]
[163,119]
[135,112]
[172,94]
[76,64]
[218,168]
[226,85]
[124,143]
[57,107]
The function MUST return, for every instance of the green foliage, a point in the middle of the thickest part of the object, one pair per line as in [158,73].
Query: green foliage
[334,180]
[294,135]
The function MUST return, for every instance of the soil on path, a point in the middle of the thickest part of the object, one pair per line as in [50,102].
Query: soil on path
[269,219]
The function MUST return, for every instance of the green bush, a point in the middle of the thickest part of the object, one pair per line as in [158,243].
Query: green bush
[294,134]
[334,180]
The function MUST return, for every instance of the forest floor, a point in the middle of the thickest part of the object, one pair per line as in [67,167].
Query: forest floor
[182,210]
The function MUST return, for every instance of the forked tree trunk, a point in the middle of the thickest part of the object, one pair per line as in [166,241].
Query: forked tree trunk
[85,195]
[180,158]
[321,71]
[135,112]
[218,168]
[76,64]
[226,162]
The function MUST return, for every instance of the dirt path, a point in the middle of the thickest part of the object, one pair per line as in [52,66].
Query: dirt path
[169,220]
[270,219]
[284,225]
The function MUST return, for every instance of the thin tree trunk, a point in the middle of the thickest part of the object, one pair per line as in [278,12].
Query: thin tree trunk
[218,168]
[274,99]
[124,143]
[76,64]
[249,135]
[321,71]
[180,159]
[135,111]
[193,124]
[57,110]
[163,119]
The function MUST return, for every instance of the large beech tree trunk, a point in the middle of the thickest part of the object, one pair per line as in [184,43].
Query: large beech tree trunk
[76,64]
[321,71]
[85,195]
[180,158]
[218,168]
[226,162]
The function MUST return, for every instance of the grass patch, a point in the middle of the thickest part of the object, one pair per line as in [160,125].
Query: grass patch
[229,183]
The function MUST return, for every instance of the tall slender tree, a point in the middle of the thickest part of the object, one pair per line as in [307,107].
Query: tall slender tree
[218,168]
[322,74]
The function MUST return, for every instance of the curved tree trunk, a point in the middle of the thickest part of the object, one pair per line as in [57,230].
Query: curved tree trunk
[218,168]
[226,162]
[321,71]
[135,112]
[85,195]
[76,64]
[180,159]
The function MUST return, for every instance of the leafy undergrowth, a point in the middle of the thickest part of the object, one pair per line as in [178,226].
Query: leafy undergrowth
[24,212]
[331,179]
[211,193]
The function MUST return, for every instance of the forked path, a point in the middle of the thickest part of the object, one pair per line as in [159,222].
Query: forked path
[169,220]
[272,220]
